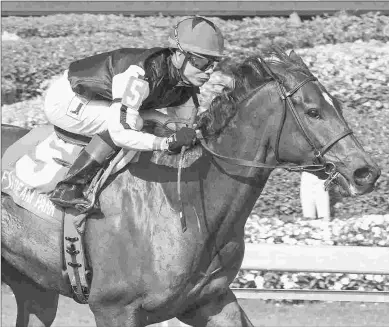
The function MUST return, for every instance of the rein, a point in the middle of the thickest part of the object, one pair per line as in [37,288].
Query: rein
[257,164]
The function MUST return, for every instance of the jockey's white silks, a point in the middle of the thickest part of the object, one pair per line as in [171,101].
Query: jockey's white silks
[69,111]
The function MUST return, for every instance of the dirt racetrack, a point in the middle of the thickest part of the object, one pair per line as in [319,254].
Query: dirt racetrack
[336,314]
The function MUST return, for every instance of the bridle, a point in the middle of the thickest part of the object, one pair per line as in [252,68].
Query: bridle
[319,162]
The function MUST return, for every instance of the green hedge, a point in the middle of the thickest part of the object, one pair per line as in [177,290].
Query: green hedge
[48,44]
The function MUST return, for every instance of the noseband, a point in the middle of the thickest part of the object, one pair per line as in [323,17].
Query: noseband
[319,162]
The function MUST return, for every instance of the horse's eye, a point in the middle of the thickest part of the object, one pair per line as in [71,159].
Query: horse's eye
[313,113]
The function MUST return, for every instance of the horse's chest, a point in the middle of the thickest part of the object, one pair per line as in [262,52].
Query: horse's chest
[189,276]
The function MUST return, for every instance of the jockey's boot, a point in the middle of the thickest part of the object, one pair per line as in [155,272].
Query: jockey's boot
[69,192]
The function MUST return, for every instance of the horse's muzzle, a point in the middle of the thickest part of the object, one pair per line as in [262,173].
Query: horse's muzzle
[362,180]
[366,175]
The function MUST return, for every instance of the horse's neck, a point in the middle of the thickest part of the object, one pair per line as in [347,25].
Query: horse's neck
[239,187]
[232,191]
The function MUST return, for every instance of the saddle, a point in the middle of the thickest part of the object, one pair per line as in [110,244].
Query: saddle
[33,166]
[155,122]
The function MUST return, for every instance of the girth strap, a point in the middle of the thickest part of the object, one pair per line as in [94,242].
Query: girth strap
[75,259]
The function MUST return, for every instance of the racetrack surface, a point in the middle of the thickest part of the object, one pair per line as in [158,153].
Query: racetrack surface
[317,314]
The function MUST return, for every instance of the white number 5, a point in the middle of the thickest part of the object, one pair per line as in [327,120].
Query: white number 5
[135,92]
[43,169]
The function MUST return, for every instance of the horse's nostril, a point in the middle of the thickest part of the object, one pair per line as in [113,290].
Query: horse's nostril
[362,175]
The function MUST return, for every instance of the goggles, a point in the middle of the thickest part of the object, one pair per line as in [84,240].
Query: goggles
[200,62]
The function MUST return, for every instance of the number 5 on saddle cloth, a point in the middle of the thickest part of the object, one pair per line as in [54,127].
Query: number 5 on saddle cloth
[32,167]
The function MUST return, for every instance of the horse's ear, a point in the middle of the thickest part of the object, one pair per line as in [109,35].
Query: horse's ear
[293,55]
[297,59]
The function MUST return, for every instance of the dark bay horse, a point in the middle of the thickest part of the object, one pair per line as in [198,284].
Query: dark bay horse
[145,269]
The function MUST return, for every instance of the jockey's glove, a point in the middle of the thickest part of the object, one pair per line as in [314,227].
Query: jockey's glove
[183,137]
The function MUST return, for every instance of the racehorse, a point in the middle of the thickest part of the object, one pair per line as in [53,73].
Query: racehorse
[145,268]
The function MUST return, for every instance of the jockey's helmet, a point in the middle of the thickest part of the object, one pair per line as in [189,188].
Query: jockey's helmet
[197,35]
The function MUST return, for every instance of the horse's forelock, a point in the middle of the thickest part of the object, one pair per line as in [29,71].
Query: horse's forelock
[247,76]
[289,61]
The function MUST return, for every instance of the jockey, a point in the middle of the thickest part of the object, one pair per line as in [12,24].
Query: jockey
[101,96]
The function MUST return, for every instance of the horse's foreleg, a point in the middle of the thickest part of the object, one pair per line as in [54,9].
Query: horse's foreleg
[40,311]
[36,305]
[221,311]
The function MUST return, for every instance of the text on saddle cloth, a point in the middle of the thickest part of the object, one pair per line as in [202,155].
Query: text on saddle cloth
[27,197]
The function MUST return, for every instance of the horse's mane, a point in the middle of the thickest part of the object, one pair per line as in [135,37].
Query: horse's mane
[247,76]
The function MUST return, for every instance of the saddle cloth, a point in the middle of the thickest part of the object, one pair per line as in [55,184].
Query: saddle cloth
[32,167]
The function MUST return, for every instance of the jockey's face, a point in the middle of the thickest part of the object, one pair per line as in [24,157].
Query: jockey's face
[193,74]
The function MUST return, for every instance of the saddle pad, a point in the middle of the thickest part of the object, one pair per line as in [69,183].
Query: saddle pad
[32,159]
[29,170]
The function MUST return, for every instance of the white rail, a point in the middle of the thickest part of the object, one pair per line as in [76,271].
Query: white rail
[331,259]
[298,258]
